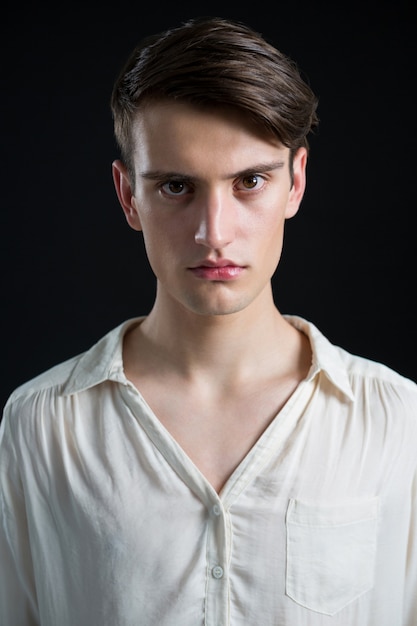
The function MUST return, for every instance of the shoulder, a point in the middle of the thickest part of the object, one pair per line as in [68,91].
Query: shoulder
[57,384]
[359,378]
[31,411]
[366,372]
[381,396]
[54,377]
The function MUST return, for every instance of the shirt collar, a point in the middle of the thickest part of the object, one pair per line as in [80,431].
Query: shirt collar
[326,357]
[104,361]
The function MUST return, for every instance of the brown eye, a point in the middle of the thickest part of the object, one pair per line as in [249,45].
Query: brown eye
[250,182]
[175,186]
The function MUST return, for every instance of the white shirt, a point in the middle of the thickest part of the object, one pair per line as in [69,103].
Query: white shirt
[105,521]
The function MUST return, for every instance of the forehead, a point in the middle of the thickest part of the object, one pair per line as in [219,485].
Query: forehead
[169,133]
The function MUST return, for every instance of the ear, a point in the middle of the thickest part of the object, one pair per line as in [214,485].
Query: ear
[299,182]
[126,198]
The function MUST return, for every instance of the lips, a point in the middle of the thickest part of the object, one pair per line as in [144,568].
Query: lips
[220,270]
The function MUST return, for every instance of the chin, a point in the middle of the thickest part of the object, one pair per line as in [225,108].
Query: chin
[227,306]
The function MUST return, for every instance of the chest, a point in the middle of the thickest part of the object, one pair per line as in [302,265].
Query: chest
[217,433]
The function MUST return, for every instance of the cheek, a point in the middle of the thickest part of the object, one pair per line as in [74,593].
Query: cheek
[270,240]
[266,227]
[162,245]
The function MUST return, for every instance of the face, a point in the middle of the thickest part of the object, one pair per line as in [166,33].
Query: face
[211,197]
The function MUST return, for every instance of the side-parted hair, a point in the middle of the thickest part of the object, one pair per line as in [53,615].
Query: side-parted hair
[214,62]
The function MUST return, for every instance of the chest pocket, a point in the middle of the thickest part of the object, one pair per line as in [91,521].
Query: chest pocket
[330,553]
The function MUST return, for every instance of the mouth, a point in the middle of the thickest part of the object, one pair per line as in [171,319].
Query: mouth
[221,270]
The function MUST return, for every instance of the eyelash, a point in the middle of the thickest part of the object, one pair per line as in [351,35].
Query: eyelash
[186,187]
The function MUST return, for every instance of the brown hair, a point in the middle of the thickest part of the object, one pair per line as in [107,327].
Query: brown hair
[215,62]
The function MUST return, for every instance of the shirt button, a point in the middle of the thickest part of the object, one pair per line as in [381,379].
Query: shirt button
[217,571]
[216,510]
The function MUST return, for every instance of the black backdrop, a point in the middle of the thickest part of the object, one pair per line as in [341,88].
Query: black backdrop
[71,267]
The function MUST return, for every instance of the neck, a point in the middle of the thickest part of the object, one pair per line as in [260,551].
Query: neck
[233,347]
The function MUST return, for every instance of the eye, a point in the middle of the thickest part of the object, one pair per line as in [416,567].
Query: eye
[175,188]
[251,182]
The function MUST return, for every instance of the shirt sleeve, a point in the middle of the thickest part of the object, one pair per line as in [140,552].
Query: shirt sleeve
[410,601]
[18,605]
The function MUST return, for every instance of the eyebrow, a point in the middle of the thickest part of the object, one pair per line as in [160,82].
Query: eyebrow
[259,168]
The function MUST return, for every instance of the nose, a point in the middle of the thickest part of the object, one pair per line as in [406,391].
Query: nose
[216,221]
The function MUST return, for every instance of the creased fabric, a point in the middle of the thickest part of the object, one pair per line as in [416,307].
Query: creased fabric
[105,521]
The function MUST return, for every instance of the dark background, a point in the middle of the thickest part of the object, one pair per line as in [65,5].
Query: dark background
[72,269]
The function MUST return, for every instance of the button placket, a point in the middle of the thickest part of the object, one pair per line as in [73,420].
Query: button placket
[218,542]
[216,510]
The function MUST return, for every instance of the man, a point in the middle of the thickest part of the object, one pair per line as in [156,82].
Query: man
[213,462]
